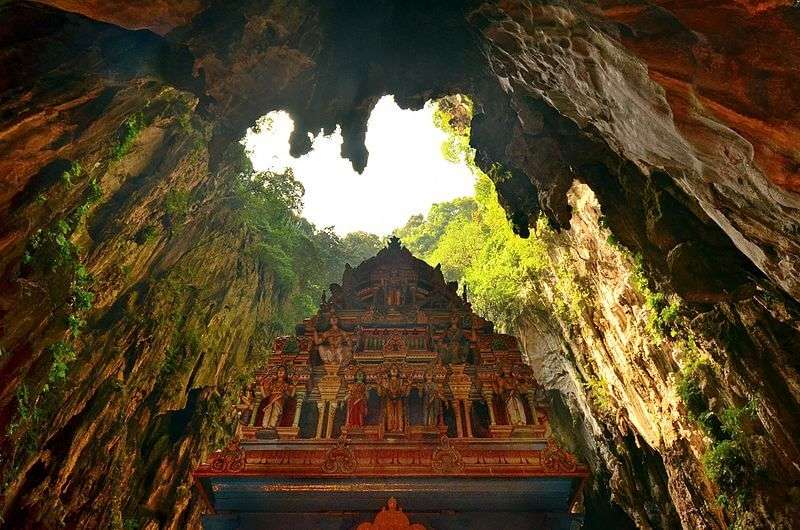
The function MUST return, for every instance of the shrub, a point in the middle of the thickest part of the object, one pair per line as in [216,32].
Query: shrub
[131,128]
[726,464]
[63,354]
[146,234]
[176,206]
[74,172]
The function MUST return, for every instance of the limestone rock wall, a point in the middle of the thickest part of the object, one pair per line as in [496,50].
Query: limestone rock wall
[615,363]
[107,408]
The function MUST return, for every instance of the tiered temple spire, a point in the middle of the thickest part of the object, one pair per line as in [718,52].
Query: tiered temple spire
[395,375]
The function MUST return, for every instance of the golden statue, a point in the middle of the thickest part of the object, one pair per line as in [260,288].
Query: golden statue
[394,389]
[357,402]
[275,392]
[333,344]
[509,389]
[454,346]
[433,401]
[391,517]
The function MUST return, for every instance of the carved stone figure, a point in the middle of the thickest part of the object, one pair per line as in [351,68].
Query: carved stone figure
[275,392]
[245,406]
[333,344]
[433,400]
[357,402]
[394,389]
[509,389]
[454,346]
[391,517]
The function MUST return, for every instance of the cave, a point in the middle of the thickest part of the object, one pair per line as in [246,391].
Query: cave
[653,141]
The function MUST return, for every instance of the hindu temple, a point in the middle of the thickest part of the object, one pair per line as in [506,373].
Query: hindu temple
[394,406]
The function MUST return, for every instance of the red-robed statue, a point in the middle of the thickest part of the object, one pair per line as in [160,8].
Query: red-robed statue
[357,402]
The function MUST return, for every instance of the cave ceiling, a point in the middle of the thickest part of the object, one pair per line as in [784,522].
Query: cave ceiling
[682,122]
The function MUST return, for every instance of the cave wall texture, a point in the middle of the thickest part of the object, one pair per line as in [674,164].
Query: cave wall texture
[678,120]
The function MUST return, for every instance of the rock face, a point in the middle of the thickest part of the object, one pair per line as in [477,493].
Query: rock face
[619,360]
[678,116]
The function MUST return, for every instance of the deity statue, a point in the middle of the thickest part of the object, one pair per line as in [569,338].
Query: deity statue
[393,389]
[245,406]
[357,402]
[433,401]
[509,389]
[333,344]
[454,346]
[275,392]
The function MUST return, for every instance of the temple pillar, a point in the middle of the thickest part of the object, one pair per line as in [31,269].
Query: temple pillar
[532,404]
[320,418]
[331,415]
[457,410]
[297,409]
[468,416]
[490,405]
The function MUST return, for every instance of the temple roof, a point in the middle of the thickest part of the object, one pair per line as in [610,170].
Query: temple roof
[396,380]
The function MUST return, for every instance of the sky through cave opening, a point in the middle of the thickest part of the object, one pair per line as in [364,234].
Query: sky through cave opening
[406,173]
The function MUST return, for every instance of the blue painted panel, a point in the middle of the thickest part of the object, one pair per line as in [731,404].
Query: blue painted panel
[260,494]
[348,521]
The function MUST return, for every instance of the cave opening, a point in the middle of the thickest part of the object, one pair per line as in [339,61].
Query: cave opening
[408,170]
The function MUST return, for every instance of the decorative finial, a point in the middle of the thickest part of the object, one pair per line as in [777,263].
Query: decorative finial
[394,242]
[464,293]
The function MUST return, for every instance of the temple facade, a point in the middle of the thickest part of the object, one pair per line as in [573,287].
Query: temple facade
[395,402]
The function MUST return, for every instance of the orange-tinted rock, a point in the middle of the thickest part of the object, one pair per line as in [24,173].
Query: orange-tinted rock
[159,16]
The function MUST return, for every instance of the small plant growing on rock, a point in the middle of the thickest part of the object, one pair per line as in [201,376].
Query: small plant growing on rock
[131,128]
[146,234]
[600,395]
[73,173]
[63,354]
[727,465]
[176,205]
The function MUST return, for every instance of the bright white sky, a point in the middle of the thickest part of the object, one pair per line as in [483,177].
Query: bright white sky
[405,173]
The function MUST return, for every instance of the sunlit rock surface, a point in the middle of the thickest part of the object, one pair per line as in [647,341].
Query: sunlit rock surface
[680,116]
[617,377]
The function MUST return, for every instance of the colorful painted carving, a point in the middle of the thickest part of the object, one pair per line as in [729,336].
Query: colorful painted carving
[357,402]
[391,517]
[275,391]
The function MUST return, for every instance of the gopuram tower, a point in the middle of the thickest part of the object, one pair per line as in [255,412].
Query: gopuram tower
[395,406]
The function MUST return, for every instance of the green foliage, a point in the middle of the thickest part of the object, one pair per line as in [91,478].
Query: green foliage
[54,259]
[727,465]
[180,356]
[356,247]
[27,411]
[24,431]
[130,129]
[453,115]
[734,418]
[474,243]
[726,462]
[95,192]
[73,173]
[63,354]
[131,523]
[688,388]
[664,312]
[300,259]
[423,233]
[176,207]
[600,395]
[147,234]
